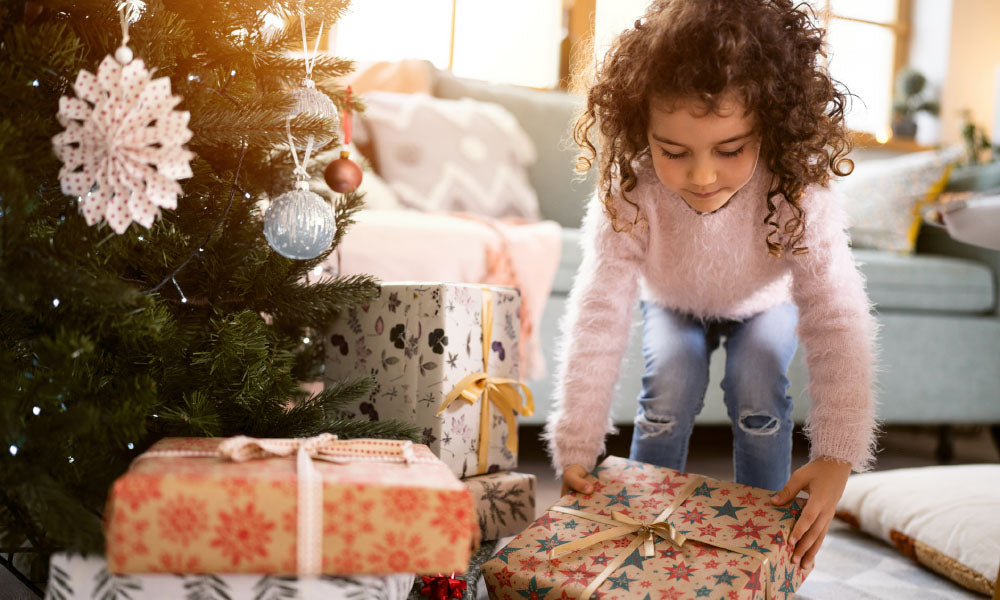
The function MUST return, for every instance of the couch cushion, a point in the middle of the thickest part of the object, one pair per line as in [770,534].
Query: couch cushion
[475,164]
[547,117]
[919,282]
[927,282]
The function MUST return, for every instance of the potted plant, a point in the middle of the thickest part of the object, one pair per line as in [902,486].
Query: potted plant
[980,168]
[908,101]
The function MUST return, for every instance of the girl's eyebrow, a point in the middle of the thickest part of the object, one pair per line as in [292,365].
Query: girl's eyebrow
[673,143]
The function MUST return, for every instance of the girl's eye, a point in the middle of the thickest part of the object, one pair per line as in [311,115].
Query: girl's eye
[734,153]
[671,155]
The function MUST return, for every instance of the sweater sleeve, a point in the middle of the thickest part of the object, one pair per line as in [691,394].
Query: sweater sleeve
[594,333]
[838,329]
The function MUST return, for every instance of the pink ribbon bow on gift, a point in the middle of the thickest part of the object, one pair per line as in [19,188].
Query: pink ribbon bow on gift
[324,447]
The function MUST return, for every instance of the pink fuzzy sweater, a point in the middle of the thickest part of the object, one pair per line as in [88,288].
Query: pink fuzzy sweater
[716,265]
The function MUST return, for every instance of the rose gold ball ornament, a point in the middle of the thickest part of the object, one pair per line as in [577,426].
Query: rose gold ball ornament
[32,10]
[343,175]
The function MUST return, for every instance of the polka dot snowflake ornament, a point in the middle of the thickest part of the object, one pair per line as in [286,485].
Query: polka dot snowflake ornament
[122,149]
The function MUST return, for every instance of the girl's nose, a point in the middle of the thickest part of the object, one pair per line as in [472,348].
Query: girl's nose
[702,174]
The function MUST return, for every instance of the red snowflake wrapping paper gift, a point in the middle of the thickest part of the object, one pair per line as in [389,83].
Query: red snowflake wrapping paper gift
[288,507]
[649,533]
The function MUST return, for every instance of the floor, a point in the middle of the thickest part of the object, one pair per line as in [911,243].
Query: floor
[711,454]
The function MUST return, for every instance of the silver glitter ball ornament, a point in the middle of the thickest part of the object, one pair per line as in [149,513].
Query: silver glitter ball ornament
[312,102]
[299,224]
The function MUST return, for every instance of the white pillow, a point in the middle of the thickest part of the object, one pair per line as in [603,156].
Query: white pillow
[450,155]
[945,518]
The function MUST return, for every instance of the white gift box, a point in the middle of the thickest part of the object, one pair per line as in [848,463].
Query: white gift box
[84,578]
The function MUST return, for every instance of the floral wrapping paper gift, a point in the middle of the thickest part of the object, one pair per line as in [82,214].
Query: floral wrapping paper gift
[652,532]
[505,502]
[444,357]
[87,578]
[288,506]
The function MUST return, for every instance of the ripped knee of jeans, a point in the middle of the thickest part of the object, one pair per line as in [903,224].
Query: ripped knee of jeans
[653,425]
[759,424]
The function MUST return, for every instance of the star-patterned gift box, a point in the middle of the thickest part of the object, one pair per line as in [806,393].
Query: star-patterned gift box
[424,343]
[505,502]
[652,533]
[232,505]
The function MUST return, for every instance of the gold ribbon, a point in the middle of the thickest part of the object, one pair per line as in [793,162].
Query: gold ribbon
[326,446]
[646,532]
[500,391]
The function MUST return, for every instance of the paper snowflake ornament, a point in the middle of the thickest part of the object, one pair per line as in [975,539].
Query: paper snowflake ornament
[122,149]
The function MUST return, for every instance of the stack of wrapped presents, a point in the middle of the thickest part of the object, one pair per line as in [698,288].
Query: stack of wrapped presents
[327,518]
[390,519]
[445,357]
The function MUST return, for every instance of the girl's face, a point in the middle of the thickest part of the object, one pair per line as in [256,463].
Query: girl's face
[702,156]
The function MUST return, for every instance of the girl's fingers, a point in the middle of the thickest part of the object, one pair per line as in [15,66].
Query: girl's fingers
[579,483]
[815,531]
[803,532]
[807,560]
[574,479]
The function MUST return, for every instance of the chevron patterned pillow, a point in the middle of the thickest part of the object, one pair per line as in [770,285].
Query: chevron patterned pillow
[450,155]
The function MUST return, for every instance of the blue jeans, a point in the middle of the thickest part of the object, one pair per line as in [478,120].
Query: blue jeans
[759,350]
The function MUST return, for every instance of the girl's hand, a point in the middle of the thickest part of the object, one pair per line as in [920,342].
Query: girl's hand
[574,479]
[825,480]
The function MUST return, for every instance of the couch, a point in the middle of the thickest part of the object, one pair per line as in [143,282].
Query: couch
[937,307]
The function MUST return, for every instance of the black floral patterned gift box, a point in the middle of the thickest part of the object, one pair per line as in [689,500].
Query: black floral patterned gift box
[444,357]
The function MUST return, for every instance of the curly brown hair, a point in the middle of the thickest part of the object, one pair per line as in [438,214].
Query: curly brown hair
[767,52]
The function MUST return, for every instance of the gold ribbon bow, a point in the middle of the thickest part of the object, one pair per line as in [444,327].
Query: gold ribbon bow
[325,447]
[500,391]
[646,537]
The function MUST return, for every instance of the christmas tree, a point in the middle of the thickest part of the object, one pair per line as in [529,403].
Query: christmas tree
[112,334]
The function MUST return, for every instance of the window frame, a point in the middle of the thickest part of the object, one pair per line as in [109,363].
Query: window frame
[581,30]
[902,31]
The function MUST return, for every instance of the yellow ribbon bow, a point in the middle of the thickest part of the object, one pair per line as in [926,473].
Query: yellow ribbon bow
[625,525]
[501,392]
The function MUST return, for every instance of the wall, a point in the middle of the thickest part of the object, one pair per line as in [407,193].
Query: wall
[973,61]
[929,51]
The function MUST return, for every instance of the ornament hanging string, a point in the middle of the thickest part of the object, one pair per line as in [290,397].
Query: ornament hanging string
[125,36]
[128,12]
[346,120]
[300,172]
[310,63]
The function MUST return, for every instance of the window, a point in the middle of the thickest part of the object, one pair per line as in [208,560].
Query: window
[516,41]
[867,42]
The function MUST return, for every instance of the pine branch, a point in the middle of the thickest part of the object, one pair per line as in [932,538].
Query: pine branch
[325,299]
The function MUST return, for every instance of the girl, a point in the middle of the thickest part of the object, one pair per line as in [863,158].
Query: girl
[718,128]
